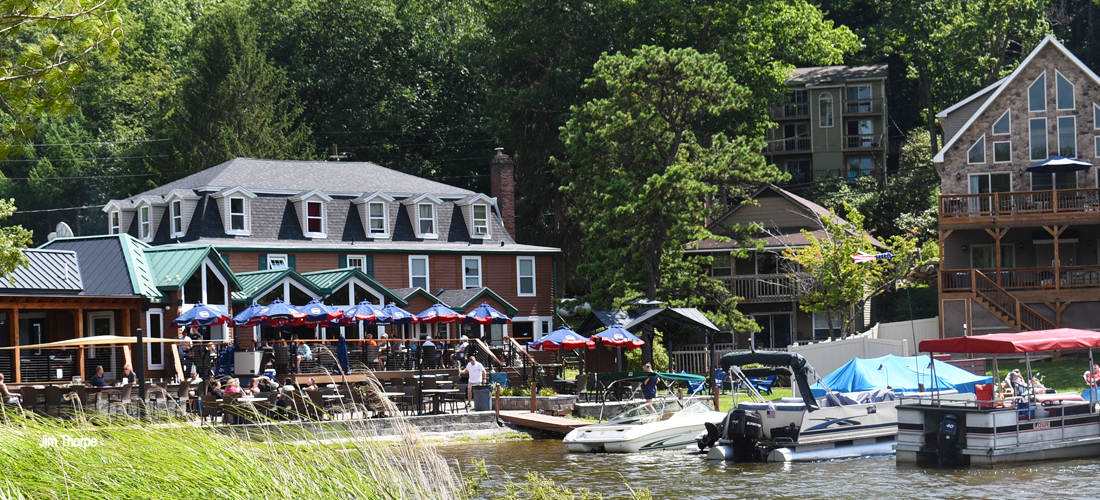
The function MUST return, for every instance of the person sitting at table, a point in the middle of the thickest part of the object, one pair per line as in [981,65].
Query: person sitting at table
[10,398]
[128,375]
[460,351]
[97,379]
[1016,382]
[194,380]
[428,341]
[371,341]
[477,374]
[311,386]
[216,389]
[254,386]
[234,387]
[304,354]
[383,349]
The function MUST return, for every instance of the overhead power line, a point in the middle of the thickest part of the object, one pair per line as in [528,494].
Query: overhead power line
[57,209]
[100,143]
[28,160]
[77,177]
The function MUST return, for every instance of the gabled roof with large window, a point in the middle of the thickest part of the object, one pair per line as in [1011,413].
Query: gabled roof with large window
[326,282]
[112,265]
[173,265]
[256,283]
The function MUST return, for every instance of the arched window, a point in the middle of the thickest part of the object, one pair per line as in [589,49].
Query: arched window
[826,109]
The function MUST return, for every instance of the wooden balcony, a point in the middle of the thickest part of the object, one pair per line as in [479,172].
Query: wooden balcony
[855,107]
[1019,208]
[863,142]
[791,145]
[796,111]
[767,287]
[1020,279]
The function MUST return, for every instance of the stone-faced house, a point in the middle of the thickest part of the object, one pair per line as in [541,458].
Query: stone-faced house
[398,230]
[1019,243]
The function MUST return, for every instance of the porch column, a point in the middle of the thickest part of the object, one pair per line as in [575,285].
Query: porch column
[997,234]
[78,325]
[943,238]
[13,333]
[1056,231]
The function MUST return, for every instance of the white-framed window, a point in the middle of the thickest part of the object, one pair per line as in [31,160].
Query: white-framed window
[425,220]
[481,220]
[277,261]
[996,182]
[418,271]
[237,218]
[1037,94]
[1002,151]
[976,153]
[1096,148]
[721,265]
[155,352]
[525,276]
[177,218]
[116,222]
[376,213]
[315,218]
[1064,92]
[825,110]
[858,99]
[146,223]
[1003,125]
[1096,117]
[1049,181]
[471,272]
[358,261]
[1037,133]
[1067,136]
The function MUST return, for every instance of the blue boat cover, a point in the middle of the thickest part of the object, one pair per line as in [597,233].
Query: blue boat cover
[899,372]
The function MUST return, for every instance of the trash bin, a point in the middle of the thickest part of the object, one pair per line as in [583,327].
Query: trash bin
[483,397]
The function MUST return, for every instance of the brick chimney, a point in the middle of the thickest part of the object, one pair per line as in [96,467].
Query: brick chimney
[502,186]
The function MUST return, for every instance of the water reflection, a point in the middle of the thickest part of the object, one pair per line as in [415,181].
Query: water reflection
[681,475]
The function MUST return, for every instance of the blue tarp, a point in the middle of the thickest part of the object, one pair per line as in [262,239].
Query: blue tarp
[899,372]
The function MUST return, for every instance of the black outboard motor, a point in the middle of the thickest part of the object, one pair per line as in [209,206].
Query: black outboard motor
[714,432]
[744,430]
[946,451]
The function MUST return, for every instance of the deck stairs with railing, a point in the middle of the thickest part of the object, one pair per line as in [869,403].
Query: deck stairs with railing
[1005,306]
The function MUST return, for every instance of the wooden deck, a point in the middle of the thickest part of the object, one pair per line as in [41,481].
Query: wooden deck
[557,425]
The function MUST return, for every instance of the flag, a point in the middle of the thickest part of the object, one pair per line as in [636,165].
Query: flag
[868,257]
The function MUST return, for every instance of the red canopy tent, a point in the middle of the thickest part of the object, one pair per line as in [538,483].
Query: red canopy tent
[1007,343]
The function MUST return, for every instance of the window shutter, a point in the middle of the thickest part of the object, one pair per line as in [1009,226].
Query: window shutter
[368,262]
[263,262]
[341,261]
[290,262]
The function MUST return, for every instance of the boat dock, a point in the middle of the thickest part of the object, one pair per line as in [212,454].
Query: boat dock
[549,423]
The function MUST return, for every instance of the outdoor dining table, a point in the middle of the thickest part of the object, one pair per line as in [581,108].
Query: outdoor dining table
[437,398]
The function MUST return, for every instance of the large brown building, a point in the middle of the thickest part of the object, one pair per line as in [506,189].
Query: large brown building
[1019,239]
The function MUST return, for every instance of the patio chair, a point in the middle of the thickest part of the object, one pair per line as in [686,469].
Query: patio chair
[721,379]
[371,357]
[120,399]
[317,404]
[53,399]
[82,397]
[428,356]
[183,400]
[764,386]
[31,399]
[582,386]
[210,407]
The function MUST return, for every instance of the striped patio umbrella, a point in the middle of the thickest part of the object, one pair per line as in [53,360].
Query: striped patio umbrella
[201,315]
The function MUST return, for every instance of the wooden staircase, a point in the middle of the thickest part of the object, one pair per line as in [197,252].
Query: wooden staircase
[1006,306]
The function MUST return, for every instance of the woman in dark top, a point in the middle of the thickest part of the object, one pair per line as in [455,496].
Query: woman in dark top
[649,387]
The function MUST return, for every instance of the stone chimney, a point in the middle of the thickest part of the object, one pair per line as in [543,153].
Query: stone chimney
[502,186]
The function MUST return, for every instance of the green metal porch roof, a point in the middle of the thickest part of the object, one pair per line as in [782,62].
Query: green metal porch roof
[326,282]
[173,266]
[257,282]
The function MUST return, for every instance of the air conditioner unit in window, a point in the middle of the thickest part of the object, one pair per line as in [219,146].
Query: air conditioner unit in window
[481,230]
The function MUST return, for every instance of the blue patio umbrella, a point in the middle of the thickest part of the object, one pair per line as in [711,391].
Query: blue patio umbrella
[485,315]
[1059,164]
[201,315]
[318,313]
[279,313]
[616,336]
[225,362]
[248,317]
[343,364]
[438,313]
[364,311]
[561,339]
[396,316]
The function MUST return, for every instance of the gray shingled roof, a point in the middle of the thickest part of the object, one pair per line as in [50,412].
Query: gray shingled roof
[103,265]
[48,272]
[329,177]
[837,75]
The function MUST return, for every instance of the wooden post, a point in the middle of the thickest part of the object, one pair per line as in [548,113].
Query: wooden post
[534,396]
[1056,231]
[498,401]
[78,325]
[17,357]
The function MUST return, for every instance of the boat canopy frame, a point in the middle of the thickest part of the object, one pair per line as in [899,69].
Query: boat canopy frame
[799,367]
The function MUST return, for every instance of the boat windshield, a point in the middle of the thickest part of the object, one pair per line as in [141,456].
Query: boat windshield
[656,412]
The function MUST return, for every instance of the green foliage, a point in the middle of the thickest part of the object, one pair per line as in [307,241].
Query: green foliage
[838,286]
[233,101]
[923,297]
[44,46]
[634,359]
[13,239]
[642,160]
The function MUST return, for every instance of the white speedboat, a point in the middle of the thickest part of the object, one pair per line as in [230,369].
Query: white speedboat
[652,426]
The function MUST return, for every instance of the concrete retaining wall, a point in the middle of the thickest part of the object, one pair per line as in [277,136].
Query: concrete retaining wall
[545,403]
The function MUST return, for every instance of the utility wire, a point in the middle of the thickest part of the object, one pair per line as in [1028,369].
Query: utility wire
[101,143]
[76,177]
[84,159]
[57,209]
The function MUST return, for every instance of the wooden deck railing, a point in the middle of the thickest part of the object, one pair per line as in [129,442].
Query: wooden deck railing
[1026,278]
[1020,203]
[767,287]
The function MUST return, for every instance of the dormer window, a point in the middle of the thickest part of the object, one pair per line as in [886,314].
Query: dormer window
[376,211]
[237,214]
[315,217]
[146,223]
[177,218]
[116,222]
[425,220]
[481,220]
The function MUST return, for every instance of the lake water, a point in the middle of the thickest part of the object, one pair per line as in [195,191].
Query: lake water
[688,476]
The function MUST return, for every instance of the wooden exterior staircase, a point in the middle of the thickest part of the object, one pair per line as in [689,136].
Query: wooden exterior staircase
[1006,306]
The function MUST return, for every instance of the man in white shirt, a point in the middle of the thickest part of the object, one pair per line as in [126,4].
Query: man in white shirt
[477,376]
